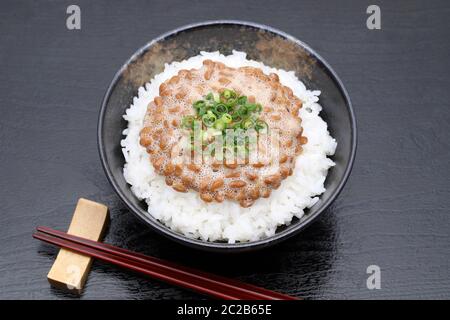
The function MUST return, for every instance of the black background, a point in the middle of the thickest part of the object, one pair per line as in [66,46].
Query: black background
[393,212]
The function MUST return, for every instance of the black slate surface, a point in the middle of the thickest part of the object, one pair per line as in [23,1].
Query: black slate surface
[394,211]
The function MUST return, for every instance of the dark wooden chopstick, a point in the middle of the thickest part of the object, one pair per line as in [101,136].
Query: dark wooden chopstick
[202,282]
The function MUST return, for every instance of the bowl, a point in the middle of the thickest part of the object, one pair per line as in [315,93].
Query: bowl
[262,43]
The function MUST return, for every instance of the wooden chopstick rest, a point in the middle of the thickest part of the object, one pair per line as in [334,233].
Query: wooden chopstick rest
[70,269]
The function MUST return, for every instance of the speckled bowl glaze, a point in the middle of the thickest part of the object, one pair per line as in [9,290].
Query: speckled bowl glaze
[262,43]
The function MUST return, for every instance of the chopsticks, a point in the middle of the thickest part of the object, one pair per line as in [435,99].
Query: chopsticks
[189,278]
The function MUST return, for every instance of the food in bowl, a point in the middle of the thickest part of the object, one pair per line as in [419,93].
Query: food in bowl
[209,99]
[263,147]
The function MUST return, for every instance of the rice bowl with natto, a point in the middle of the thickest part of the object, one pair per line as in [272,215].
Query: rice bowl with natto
[185,212]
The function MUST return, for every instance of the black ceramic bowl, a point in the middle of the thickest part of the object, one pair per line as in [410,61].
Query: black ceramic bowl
[273,48]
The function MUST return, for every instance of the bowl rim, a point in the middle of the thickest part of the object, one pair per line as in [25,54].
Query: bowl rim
[223,246]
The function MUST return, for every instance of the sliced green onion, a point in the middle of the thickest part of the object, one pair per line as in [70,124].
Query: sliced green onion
[226,118]
[227,94]
[209,119]
[261,126]
[220,109]
[231,102]
[201,110]
[247,123]
[199,104]
[251,107]
[217,112]
[236,117]
[242,100]
[243,111]
[220,125]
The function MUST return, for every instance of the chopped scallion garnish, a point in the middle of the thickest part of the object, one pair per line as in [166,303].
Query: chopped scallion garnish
[226,118]
[209,119]
[220,109]
[217,112]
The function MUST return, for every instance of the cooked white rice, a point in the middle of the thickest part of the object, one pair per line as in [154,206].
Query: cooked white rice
[186,213]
